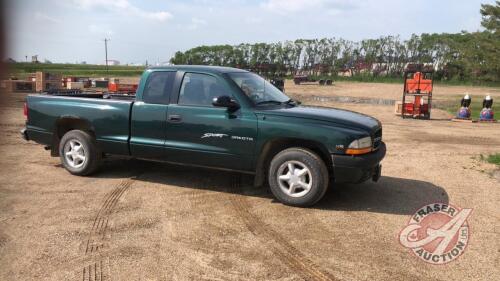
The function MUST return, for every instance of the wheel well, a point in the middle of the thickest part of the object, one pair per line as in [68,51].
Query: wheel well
[273,147]
[65,125]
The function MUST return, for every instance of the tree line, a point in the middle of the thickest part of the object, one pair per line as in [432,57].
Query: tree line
[465,56]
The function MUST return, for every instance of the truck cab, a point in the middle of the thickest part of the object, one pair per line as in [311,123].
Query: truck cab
[174,114]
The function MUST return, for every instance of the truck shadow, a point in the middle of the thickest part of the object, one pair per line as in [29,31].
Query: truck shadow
[389,195]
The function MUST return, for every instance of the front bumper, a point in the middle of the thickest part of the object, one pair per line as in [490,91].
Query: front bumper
[24,134]
[359,168]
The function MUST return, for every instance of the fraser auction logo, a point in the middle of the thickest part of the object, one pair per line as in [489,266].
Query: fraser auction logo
[437,233]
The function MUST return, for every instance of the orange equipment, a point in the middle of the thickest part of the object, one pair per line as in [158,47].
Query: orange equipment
[115,86]
[417,92]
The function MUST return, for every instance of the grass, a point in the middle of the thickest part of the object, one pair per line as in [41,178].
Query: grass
[494,159]
[370,78]
[91,70]
[453,105]
[22,69]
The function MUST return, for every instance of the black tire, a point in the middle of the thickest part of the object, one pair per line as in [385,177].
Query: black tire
[318,174]
[90,150]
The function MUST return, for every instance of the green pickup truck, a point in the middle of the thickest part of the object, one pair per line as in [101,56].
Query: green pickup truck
[217,117]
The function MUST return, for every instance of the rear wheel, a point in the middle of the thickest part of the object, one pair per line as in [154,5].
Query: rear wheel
[79,153]
[298,177]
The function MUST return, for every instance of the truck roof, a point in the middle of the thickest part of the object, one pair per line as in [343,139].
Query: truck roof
[205,68]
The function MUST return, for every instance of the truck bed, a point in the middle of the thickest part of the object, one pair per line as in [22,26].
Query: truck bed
[107,115]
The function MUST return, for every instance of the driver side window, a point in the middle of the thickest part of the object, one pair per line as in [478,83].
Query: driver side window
[199,89]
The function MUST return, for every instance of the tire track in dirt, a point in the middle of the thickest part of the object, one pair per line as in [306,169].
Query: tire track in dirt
[94,272]
[286,252]
[97,269]
[10,125]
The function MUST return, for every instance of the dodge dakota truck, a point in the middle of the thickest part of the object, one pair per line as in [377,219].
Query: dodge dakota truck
[217,117]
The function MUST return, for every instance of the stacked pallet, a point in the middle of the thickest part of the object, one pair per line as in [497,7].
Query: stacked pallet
[13,86]
[75,85]
[47,81]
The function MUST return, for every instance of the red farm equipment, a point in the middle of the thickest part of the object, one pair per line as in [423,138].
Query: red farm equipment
[417,93]
[115,86]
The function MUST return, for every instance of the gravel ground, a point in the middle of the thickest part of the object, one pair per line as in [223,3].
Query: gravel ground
[136,220]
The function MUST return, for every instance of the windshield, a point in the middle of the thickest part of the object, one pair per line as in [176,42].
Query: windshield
[258,89]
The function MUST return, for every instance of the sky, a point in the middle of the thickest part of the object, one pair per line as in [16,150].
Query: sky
[153,30]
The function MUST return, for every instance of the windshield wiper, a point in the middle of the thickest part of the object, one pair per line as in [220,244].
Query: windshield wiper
[269,102]
[291,102]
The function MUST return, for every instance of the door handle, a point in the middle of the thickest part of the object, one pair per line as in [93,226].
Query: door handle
[174,118]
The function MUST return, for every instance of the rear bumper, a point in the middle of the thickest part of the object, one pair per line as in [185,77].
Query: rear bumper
[24,134]
[356,169]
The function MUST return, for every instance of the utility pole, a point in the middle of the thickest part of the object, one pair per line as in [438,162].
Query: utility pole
[106,52]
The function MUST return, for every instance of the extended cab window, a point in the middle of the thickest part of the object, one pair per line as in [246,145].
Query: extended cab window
[158,87]
[199,89]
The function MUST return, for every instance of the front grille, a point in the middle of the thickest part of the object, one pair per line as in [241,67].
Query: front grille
[377,138]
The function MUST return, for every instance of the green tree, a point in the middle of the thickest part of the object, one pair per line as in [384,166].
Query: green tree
[491,17]
[462,56]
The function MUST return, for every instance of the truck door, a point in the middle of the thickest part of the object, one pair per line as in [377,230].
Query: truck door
[148,126]
[199,133]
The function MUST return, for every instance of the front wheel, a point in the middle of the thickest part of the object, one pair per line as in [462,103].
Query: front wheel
[298,177]
[79,153]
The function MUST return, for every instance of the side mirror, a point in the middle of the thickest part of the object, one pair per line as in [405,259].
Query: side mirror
[226,101]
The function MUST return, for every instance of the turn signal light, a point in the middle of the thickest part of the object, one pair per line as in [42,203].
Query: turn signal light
[25,111]
[358,151]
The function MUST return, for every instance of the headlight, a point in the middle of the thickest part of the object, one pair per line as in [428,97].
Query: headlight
[360,146]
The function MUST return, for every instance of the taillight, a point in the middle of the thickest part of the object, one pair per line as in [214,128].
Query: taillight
[25,110]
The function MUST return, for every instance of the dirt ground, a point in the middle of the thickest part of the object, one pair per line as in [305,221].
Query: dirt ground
[137,220]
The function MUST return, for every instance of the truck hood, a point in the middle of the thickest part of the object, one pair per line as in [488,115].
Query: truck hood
[338,116]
